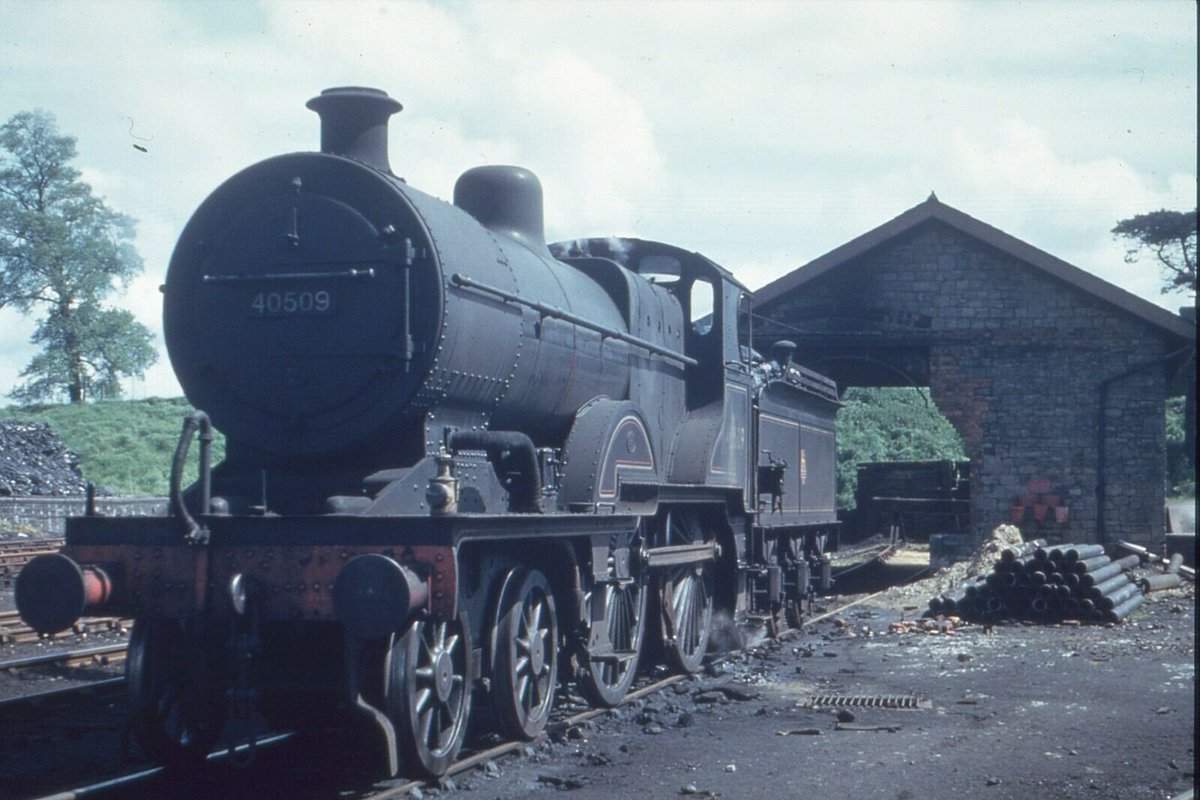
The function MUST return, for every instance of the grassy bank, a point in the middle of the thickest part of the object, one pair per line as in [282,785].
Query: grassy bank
[123,445]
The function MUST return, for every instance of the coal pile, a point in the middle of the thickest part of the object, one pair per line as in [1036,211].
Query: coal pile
[34,461]
[1030,582]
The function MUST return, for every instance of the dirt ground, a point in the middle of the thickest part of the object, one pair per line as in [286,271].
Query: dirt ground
[1024,711]
[1020,711]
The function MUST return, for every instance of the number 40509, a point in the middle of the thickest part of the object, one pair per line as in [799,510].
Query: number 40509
[275,304]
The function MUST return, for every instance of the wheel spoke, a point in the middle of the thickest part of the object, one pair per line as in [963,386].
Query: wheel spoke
[685,600]
[536,613]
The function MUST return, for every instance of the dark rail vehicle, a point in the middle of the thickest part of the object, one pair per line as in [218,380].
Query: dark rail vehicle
[460,464]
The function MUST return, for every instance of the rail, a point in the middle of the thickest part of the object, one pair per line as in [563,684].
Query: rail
[566,316]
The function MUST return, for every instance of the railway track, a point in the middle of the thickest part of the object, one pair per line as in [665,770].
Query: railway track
[846,562]
[14,554]
[14,631]
[67,695]
[119,785]
[101,656]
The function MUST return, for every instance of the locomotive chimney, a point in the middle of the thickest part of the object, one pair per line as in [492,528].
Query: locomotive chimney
[354,122]
[506,200]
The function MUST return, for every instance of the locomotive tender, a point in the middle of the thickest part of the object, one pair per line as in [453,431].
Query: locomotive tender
[460,464]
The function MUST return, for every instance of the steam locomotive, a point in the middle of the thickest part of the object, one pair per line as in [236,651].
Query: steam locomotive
[462,465]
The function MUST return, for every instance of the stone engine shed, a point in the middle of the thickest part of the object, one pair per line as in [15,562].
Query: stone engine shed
[1055,379]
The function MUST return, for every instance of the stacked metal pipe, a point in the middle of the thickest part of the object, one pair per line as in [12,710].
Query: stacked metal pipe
[1032,582]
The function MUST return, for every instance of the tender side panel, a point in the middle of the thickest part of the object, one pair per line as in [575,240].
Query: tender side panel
[797,451]
[818,452]
[779,449]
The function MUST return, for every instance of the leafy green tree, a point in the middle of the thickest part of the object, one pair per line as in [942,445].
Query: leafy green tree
[1181,461]
[1170,236]
[62,252]
[889,424]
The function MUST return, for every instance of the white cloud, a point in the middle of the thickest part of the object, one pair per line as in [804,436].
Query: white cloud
[1025,187]
[762,134]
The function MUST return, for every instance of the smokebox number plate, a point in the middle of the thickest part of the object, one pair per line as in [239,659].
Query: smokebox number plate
[292,303]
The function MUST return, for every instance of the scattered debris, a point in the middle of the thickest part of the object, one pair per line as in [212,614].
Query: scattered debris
[851,726]
[800,732]
[734,692]
[1172,565]
[562,783]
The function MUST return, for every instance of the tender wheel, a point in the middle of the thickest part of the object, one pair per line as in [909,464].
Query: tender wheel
[428,693]
[605,667]
[175,719]
[526,653]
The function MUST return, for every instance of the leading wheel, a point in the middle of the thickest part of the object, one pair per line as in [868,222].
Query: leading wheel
[176,716]
[526,653]
[428,693]
[606,665]
[685,596]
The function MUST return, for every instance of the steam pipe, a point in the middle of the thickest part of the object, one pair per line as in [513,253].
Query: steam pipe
[1108,587]
[1104,573]
[1090,564]
[1109,602]
[1019,551]
[496,444]
[1155,583]
[1125,609]
[194,533]
[1084,551]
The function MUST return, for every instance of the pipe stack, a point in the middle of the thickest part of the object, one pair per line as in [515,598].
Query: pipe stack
[1032,582]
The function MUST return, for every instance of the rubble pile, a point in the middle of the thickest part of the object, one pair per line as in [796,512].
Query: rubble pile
[34,461]
[948,579]
[1030,582]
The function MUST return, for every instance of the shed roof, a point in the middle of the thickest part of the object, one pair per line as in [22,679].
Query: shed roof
[934,209]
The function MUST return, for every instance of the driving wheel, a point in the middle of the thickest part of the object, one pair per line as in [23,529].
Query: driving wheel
[685,596]
[175,717]
[428,693]
[526,653]
[606,664]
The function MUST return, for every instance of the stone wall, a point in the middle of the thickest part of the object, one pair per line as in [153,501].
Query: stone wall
[49,514]
[1017,359]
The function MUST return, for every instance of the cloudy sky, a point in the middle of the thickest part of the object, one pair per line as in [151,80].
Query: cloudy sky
[761,134]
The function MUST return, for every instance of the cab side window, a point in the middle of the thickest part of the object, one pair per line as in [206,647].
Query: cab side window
[700,307]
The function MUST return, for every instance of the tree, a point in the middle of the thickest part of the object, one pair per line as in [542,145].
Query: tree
[1171,237]
[62,252]
[889,424]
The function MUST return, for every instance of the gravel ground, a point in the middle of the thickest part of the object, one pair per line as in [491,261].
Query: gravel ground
[1022,711]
